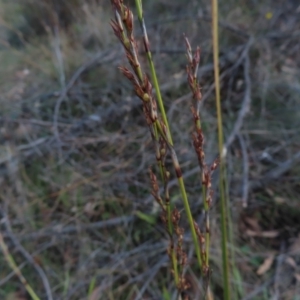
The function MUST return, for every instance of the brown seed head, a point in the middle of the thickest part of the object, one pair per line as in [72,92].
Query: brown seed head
[184,259]
[153,180]
[190,80]
[163,218]
[188,50]
[196,59]
[128,74]
[215,164]
[197,92]
[117,4]
[128,21]
[147,86]
[167,174]
[116,28]
[175,216]
[139,91]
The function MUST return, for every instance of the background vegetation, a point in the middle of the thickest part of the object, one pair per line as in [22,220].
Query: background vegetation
[75,152]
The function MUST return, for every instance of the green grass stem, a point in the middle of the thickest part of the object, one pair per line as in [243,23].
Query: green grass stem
[222,182]
[169,136]
[152,68]
[11,262]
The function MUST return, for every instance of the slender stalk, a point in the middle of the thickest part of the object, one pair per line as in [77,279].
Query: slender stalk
[222,182]
[188,213]
[184,198]
[207,225]
[238,291]
[169,136]
[205,171]
[15,268]
[152,67]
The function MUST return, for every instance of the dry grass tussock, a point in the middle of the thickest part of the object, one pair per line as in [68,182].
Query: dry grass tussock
[77,214]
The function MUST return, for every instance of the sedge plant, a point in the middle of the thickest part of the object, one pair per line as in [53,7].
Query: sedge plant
[157,122]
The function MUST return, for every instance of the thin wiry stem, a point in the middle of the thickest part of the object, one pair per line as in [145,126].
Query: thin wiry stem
[152,67]
[158,93]
[169,136]
[29,258]
[222,182]
[11,262]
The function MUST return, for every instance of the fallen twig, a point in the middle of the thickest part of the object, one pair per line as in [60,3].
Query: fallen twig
[28,257]
[61,229]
